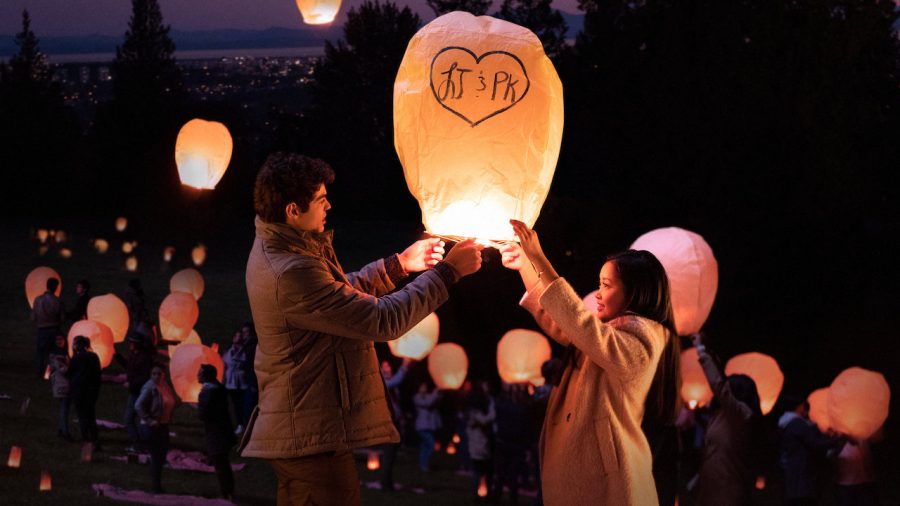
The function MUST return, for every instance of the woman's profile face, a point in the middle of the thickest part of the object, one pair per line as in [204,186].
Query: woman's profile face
[610,294]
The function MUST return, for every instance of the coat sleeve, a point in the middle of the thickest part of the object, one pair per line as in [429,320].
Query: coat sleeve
[720,388]
[311,298]
[531,302]
[623,350]
[378,277]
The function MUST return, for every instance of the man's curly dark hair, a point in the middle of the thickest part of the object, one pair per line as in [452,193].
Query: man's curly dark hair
[286,178]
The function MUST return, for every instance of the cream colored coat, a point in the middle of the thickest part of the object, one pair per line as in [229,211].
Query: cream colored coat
[593,451]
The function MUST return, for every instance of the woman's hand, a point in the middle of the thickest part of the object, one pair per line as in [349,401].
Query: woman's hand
[512,257]
[531,246]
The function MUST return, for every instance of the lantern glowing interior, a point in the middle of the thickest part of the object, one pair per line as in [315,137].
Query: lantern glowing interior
[764,371]
[110,311]
[121,223]
[168,252]
[131,264]
[36,283]
[184,366]
[42,234]
[101,338]
[478,119]
[15,457]
[451,449]
[178,314]
[45,485]
[202,153]
[198,255]
[448,365]
[692,271]
[818,409]
[419,341]
[188,281]
[482,487]
[520,355]
[858,402]
[695,390]
[373,462]
[65,253]
[101,245]
[318,12]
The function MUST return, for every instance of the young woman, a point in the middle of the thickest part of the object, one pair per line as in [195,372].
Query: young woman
[154,407]
[621,365]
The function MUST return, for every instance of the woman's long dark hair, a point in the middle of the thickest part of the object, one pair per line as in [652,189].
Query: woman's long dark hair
[647,294]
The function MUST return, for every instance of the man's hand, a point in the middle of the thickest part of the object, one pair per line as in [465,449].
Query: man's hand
[465,257]
[422,255]
[512,257]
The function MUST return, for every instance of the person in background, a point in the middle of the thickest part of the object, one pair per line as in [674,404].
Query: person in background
[237,376]
[137,365]
[84,385]
[392,382]
[48,314]
[428,421]
[154,406]
[513,408]
[251,393]
[855,477]
[212,409]
[79,311]
[136,303]
[480,415]
[59,384]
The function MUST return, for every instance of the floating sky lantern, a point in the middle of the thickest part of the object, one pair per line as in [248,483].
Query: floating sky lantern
[121,223]
[520,355]
[168,253]
[42,235]
[695,390]
[764,371]
[373,462]
[456,439]
[858,402]
[101,245]
[451,449]
[818,408]
[131,264]
[101,338]
[188,281]
[110,311]
[692,270]
[60,236]
[318,12]
[184,366]
[178,314]
[36,283]
[478,120]
[760,482]
[128,246]
[202,153]
[419,340]
[483,487]
[198,255]
[15,457]
[65,253]
[45,485]
[448,365]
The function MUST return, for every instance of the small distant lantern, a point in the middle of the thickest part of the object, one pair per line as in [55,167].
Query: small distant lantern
[128,246]
[121,223]
[110,311]
[764,371]
[451,449]
[188,281]
[36,283]
[478,122]
[184,366]
[456,438]
[419,340]
[15,457]
[202,153]
[520,355]
[60,236]
[101,245]
[695,390]
[198,255]
[373,462]
[168,253]
[87,452]
[65,253]
[818,409]
[692,271]
[858,402]
[178,314]
[131,264]
[45,485]
[483,487]
[42,235]
[318,12]
[760,482]
[101,338]
[448,365]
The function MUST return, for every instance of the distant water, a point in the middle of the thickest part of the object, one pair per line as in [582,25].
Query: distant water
[200,54]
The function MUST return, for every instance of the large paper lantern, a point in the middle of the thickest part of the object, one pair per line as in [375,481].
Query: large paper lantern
[202,153]
[198,255]
[695,390]
[188,281]
[818,408]
[178,314]
[420,339]
[858,402]
[110,311]
[478,120]
[764,371]
[192,338]
[101,338]
[186,363]
[448,365]
[520,355]
[692,270]
[36,283]
[318,12]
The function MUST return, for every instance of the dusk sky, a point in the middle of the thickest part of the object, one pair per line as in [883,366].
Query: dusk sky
[110,17]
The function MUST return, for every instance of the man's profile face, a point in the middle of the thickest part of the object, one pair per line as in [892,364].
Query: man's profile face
[313,220]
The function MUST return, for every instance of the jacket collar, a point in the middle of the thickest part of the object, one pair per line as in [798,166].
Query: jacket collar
[282,234]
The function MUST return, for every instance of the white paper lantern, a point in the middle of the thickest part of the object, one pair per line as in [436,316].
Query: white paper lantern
[419,341]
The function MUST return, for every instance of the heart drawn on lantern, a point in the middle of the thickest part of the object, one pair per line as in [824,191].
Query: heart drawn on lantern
[476,88]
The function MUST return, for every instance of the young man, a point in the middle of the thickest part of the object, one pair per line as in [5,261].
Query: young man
[320,390]
[48,315]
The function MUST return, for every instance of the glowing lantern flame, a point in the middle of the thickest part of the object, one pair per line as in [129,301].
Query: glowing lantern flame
[101,245]
[692,270]
[476,157]
[184,366]
[178,314]
[42,235]
[202,153]
[451,449]
[131,264]
[764,371]
[36,283]
[818,409]
[187,281]
[65,253]
[694,386]
[101,338]
[418,341]
[15,457]
[520,355]
[858,402]
[456,438]
[121,223]
[760,482]
[318,12]
[373,462]
[168,253]
[448,365]
[45,485]
[110,311]
[482,487]
[198,255]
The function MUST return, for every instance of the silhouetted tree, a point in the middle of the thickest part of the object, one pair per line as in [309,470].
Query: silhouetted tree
[476,7]
[541,18]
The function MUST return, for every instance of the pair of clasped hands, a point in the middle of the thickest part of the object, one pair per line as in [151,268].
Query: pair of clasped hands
[465,256]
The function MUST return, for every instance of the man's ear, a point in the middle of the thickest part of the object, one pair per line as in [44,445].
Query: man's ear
[292,210]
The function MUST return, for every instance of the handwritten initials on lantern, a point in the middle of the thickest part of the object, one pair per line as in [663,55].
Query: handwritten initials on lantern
[476,88]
